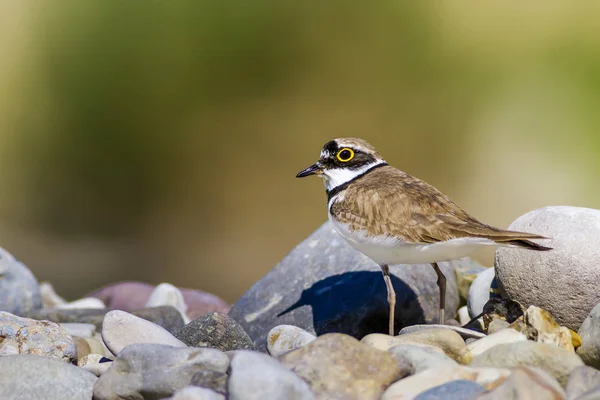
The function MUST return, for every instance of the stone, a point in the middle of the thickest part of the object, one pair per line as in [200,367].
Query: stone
[256,376]
[455,390]
[336,365]
[497,325]
[19,290]
[29,377]
[196,393]
[589,332]
[466,271]
[411,387]
[527,383]
[131,296]
[563,281]
[97,345]
[463,315]
[479,292]
[120,329]
[413,359]
[210,379]
[556,361]
[284,338]
[503,309]
[155,371]
[480,346]
[166,316]
[41,338]
[582,380]
[215,330]
[166,294]
[91,363]
[82,347]
[539,325]
[593,394]
[324,285]
[49,297]
[464,332]
[80,330]
[85,303]
[447,340]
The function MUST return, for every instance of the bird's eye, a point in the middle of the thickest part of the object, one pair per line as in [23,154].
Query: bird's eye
[345,154]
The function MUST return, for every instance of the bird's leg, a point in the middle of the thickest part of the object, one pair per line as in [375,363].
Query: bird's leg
[391,295]
[441,282]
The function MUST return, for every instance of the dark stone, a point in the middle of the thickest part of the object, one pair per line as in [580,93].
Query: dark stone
[19,290]
[455,390]
[324,285]
[210,379]
[215,330]
[501,308]
[166,316]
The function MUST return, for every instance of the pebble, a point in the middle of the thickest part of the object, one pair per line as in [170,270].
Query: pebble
[463,315]
[81,330]
[211,379]
[582,380]
[324,285]
[455,390]
[86,302]
[545,328]
[91,363]
[42,338]
[166,294]
[466,270]
[29,377]
[19,290]
[338,366]
[589,351]
[447,340]
[497,325]
[556,361]
[81,346]
[154,371]
[215,330]
[256,376]
[480,346]
[196,393]
[413,359]
[464,332]
[49,297]
[563,281]
[479,292]
[527,383]
[120,329]
[284,338]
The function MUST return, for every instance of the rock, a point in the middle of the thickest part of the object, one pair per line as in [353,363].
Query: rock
[130,296]
[166,316]
[503,309]
[85,303]
[81,330]
[527,383]
[463,315]
[215,330]
[324,285]
[210,379]
[589,351]
[497,325]
[466,270]
[49,297]
[97,345]
[120,329]
[19,290]
[91,363]
[455,390]
[482,345]
[155,371]
[338,366]
[539,325]
[41,338]
[465,333]
[166,294]
[563,281]
[479,292]
[82,348]
[413,359]
[29,377]
[556,361]
[409,388]
[593,394]
[447,340]
[196,393]
[256,376]
[284,338]
[582,380]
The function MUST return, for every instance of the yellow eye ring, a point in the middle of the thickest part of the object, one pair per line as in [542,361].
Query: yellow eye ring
[344,155]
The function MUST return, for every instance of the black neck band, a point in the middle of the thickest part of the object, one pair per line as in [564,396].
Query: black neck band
[339,188]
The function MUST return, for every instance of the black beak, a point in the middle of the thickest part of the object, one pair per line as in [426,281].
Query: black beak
[314,169]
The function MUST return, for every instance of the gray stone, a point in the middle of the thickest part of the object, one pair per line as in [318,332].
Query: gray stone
[196,393]
[155,371]
[563,281]
[479,292]
[41,338]
[556,361]
[482,345]
[581,380]
[324,285]
[589,351]
[455,390]
[81,330]
[464,332]
[593,394]
[120,329]
[497,325]
[256,376]
[284,338]
[211,379]
[165,316]
[413,358]
[215,330]
[19,290]
[338,366]
[527,383]
[29,377]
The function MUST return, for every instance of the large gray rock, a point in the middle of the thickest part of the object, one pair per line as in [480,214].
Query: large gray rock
[563,281]
[19,290]
[589,351]
[41,338]
[29,377]
[215,330]
[324,285]
[155,371]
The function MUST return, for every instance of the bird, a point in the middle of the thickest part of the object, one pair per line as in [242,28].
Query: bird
[394,218]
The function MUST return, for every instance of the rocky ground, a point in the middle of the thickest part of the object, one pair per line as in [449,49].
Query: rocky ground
[314,328]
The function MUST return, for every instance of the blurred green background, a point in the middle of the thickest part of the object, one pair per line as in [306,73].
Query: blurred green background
[159,140]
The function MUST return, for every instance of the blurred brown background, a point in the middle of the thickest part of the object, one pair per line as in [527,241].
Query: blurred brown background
[158,140]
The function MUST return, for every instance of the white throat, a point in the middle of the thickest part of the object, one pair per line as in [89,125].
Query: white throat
[338,176]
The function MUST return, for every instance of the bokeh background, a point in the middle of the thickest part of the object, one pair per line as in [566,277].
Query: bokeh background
[158,140]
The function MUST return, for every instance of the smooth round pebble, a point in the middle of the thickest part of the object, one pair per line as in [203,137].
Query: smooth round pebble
[215,330]
[526,383]
[480,346]
[479,292]
[166,294]
[284,338]
[413,358]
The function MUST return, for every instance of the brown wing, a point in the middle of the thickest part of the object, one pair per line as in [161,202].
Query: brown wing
[391,202]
